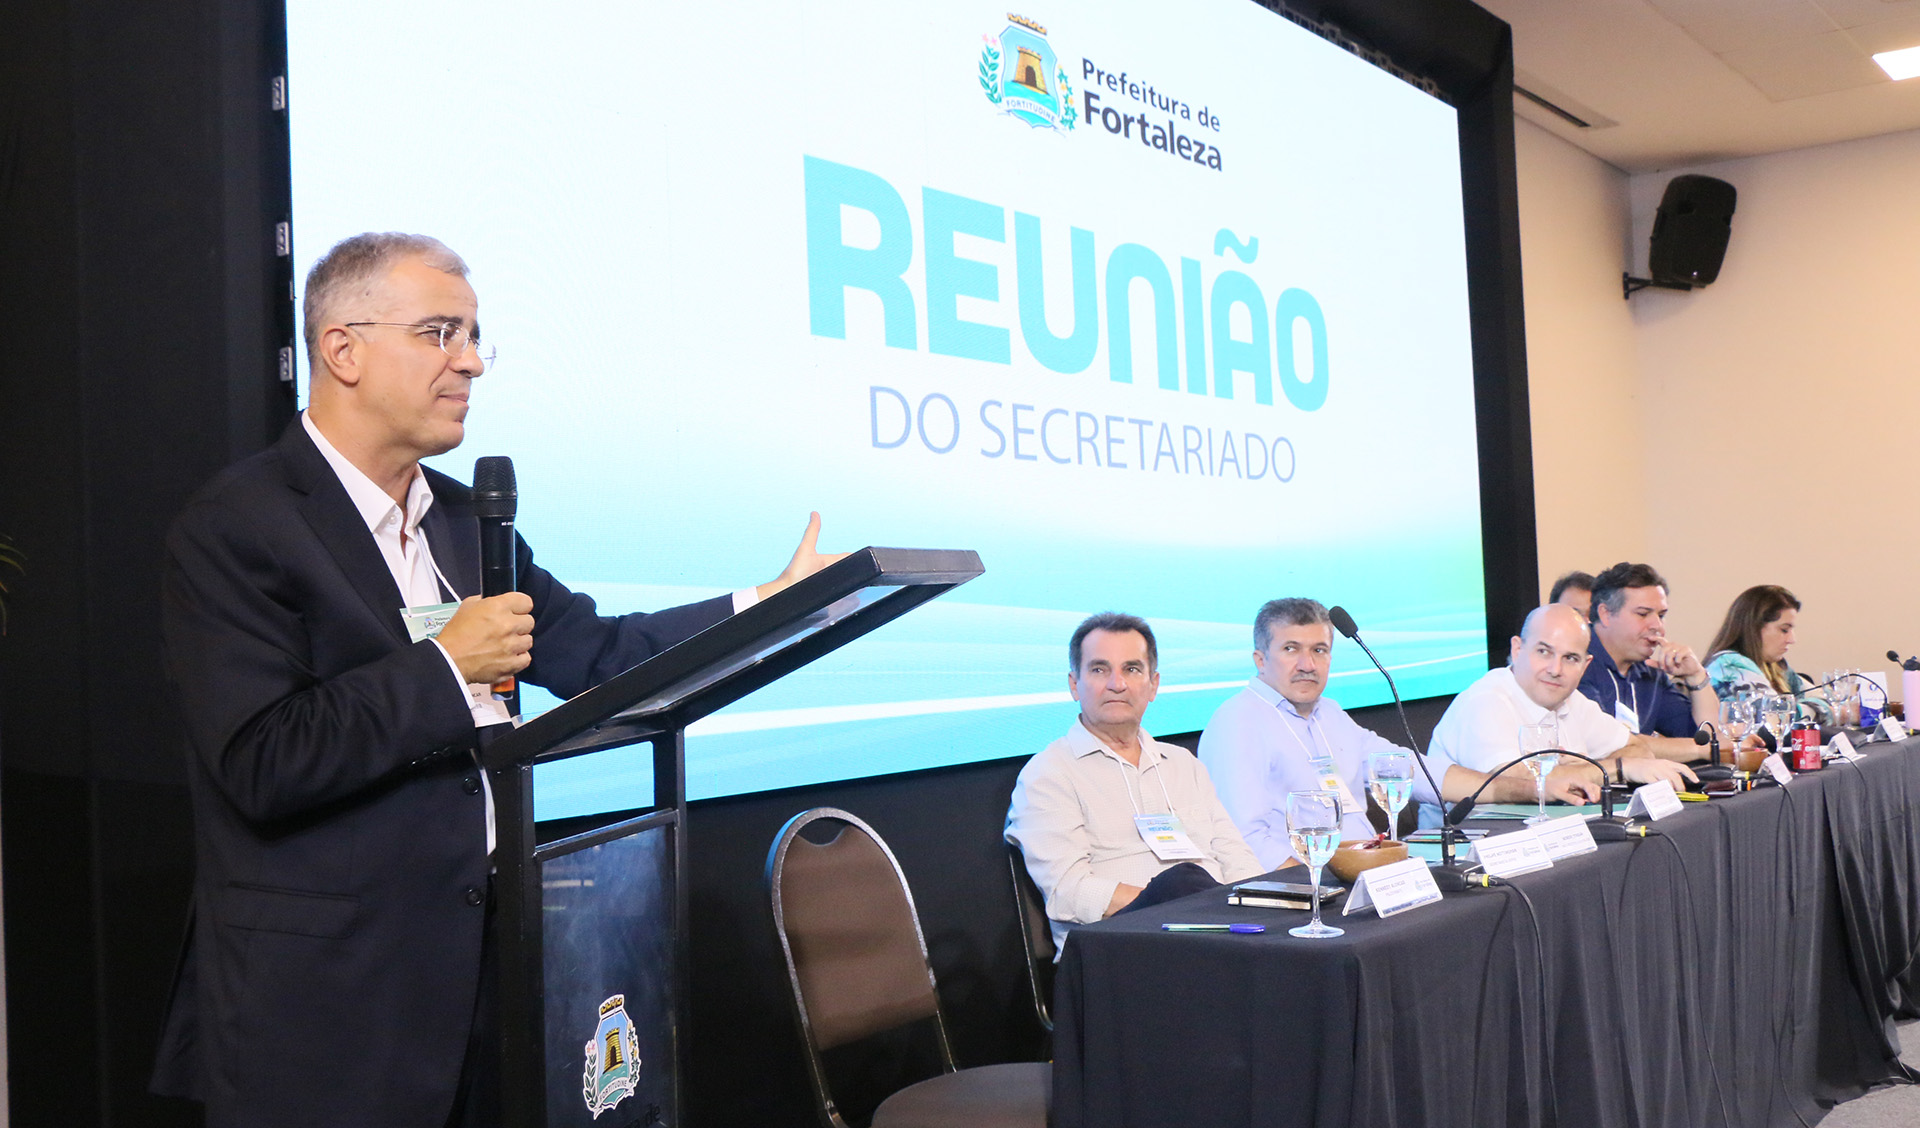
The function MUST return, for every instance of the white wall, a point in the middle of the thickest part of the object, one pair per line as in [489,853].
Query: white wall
[1763,422]
[1583,379]
[1782,402]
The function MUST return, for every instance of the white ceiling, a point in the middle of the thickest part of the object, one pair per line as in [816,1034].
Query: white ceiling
[1664,83]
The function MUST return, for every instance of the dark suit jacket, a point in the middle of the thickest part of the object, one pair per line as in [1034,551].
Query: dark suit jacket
[341,845]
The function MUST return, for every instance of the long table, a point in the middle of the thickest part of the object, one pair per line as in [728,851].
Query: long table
[1741,968]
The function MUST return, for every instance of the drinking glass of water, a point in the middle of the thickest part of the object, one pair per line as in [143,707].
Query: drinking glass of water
[1390,780]
[1543,742]
[1313,822]
[1777,714]
[1736,721]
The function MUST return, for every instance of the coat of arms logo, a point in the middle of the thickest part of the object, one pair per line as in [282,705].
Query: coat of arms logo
[613,1058]
[1020,74]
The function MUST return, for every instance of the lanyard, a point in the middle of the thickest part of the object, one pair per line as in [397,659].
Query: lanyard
[426,547]
[1127,783]
[1314,728]
[444,582]
[1630,688]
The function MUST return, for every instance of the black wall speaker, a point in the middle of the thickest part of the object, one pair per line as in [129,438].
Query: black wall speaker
[1690,231]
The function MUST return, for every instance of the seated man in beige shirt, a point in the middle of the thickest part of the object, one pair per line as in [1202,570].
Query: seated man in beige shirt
[1090,812]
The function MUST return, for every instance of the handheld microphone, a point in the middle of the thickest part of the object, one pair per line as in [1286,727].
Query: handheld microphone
[496,497]
[1450,877]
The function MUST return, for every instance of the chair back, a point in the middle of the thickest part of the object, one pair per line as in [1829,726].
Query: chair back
[856,958]
[1036,935]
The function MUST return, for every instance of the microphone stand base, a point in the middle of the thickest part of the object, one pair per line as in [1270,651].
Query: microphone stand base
[1452,879]
[1611,828]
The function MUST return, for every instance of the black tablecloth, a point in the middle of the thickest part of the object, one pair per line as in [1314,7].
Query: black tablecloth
[1742,968]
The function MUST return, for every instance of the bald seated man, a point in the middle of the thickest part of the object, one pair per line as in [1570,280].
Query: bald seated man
[1481,729]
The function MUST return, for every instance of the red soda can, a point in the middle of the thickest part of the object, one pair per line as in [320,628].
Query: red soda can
[1807,746]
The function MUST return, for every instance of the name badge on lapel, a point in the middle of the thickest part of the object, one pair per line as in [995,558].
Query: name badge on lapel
[427,620]
[1168,840]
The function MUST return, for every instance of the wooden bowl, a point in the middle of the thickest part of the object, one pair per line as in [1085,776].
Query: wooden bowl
[1354,858]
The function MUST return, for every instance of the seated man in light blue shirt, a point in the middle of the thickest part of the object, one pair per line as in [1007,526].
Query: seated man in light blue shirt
[1280,734]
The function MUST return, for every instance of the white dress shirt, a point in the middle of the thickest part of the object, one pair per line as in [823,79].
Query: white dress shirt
[1072,817]
[396,531]
[1481,729]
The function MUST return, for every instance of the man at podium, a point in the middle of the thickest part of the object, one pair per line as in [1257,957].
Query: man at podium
[332,657]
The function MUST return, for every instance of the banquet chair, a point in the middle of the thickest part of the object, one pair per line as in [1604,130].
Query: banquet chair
[1036,938]
[857,965]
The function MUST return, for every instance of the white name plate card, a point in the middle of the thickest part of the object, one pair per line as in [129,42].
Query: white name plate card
[1393,888]
[1777,768]
[1843,748]
[1566,837]
[1510,855]
[1655,801]
[1892,729]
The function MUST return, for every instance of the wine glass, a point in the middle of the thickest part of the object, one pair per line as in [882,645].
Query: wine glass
[1736,720]
[1846,706]
[1543,741]
[1390,779]
[1777,714]
[1313,822]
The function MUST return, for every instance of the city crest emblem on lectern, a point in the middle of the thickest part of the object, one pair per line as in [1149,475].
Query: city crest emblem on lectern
[613,1058]
[1020,74]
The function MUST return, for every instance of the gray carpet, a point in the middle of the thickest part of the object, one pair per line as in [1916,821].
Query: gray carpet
[1889,1106]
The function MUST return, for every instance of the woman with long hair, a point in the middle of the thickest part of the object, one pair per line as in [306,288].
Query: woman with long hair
[1749,654]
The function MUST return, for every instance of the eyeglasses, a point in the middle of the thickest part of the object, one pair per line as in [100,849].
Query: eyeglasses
[452,337]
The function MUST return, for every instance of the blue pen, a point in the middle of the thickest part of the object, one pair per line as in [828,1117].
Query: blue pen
[1214,927]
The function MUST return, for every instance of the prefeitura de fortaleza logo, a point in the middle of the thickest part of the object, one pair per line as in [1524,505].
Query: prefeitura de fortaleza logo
[613,1058]
[1023,78]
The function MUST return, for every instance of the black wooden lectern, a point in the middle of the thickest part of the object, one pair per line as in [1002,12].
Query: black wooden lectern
[591,912]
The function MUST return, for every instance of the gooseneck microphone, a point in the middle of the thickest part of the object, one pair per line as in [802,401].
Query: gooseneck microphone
[1862,677]
[1449,877]
[496,497]
[1608,827]
[1908,664]
[1344,623]
[1708,735]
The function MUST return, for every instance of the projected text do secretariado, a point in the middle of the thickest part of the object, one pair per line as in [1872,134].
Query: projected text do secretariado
[1219,337]
[1028,432]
